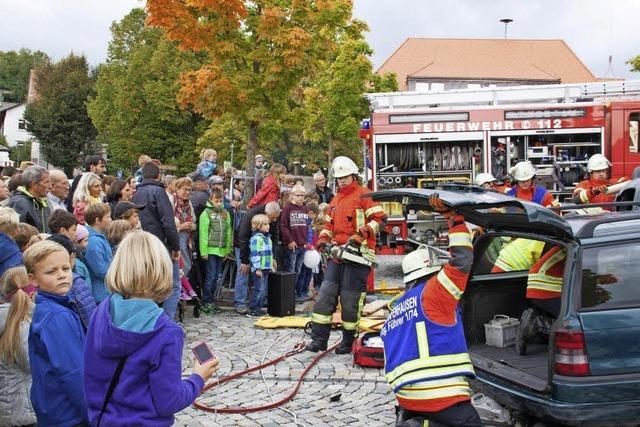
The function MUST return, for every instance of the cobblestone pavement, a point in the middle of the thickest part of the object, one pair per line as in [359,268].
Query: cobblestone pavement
[366,397]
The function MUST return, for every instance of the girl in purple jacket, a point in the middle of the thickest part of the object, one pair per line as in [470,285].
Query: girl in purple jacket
[130,333]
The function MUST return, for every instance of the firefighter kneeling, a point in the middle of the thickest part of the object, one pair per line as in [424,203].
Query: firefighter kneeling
[353,221]
[426,357]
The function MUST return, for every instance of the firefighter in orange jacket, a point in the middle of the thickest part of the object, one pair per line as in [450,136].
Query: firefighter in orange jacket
[426,358]
[355,220]
[526,188]
[595,189]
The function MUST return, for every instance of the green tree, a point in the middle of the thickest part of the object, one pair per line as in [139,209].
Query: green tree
[135,108]
[20,153]
[257,53]
[334,105]
[58,117]
[14,72]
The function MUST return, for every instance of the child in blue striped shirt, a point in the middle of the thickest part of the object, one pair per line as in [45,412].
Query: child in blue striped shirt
[262,263]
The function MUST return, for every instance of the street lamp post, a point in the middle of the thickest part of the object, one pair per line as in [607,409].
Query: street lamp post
[506,22]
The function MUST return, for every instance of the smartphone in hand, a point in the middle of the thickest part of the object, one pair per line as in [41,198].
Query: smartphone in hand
[203,353]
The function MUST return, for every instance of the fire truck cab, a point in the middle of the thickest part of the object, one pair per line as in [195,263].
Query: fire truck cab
[415,139]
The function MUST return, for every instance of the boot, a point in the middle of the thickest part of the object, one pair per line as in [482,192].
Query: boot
[315,347]
[525,330]
[319,337]
[346,344]
[543,323]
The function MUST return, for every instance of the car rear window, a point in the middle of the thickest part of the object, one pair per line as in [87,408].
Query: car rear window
[610,276]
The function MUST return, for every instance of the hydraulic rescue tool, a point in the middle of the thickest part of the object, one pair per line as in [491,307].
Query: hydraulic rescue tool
[348,252]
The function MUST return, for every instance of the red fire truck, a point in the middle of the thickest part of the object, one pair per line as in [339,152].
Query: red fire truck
[417,138]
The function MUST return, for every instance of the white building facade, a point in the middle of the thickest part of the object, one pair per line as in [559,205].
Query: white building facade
[14,127]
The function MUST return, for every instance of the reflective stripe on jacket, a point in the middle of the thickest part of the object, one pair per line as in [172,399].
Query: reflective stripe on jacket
[434,333]
[582,193]
[424,359]
[519,255]
[348,212]
[545,277]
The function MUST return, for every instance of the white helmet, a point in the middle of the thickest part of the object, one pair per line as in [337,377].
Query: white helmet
[420,263]
[598,162]
[523,171]
[343,166]
[484,178]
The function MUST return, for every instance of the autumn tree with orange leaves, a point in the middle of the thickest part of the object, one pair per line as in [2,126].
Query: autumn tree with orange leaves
[257,52]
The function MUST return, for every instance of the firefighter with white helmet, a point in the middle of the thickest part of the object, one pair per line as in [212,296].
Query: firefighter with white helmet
[354,221]
[597,188]
[485,180]
[525,187]
[427,362]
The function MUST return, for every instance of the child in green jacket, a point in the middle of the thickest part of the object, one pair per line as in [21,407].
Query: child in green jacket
[215,244]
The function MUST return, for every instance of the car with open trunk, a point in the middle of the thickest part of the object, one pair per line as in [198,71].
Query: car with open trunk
[588,370]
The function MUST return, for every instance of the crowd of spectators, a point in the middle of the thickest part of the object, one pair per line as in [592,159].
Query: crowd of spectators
[91,268]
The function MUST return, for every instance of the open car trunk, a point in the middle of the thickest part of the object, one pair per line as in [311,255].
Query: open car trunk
[485,298]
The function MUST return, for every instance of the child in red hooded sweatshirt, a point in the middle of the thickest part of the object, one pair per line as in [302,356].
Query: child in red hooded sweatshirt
[270,190]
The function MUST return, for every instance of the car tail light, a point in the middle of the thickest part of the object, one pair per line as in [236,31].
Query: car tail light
[571,354]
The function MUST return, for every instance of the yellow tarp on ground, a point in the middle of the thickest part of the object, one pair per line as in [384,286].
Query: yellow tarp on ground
[267,322]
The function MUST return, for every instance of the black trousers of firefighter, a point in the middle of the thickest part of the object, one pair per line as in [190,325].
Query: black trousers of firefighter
[349,282]
[462,414]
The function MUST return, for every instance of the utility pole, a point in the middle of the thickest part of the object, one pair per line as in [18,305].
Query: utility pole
[506,22]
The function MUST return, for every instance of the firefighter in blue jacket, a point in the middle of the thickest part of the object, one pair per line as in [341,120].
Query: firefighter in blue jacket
[426,359]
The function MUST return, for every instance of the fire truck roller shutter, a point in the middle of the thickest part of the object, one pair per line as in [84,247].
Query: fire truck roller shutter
[452,156]
[405,157]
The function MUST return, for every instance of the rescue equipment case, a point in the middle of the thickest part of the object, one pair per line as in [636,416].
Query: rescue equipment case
[368,351]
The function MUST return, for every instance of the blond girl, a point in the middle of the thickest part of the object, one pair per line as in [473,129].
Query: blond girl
[15,375]
[131,333]
[89,192]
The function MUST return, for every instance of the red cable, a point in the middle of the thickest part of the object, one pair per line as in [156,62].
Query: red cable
[298,348]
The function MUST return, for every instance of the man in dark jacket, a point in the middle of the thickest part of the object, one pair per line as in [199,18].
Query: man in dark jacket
[30,200]
[242,234]
[200,194]
[157,218]
[322,190]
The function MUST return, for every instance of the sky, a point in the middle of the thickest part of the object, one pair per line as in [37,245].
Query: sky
[594,29]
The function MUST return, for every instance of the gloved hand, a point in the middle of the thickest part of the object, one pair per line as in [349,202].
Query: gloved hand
[355,240]
[364,232]
[323,246]
[601,189]
[439,206]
